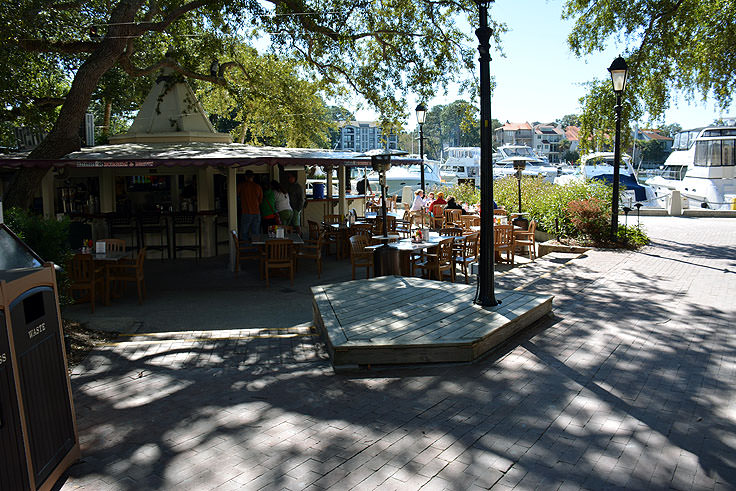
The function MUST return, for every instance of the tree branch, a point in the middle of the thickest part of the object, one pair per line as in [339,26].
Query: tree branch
[39,46]
[170,17]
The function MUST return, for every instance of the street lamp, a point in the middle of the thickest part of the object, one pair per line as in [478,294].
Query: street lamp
[421,116]
[485,295]
[618,70]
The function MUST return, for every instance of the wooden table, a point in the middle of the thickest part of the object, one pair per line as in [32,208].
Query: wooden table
[261,239]
[406,247]
[107,259]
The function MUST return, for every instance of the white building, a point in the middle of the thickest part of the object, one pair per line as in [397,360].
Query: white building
[361,136]
[547,138]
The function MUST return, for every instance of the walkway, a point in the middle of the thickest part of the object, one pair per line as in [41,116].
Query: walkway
[631,384]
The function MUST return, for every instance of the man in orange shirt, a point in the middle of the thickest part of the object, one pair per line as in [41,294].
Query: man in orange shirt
[251,196]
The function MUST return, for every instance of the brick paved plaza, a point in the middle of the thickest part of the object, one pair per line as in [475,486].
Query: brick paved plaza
[632,384]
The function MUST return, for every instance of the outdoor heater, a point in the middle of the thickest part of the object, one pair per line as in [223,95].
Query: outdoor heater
[385,259]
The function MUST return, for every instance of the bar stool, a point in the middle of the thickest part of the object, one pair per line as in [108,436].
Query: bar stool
[152,223]
[122,225]
[186,223]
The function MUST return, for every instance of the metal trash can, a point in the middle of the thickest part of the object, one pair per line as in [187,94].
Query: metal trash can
[386,261]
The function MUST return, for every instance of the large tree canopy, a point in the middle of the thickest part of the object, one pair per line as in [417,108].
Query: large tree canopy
[380,49]
[671,46]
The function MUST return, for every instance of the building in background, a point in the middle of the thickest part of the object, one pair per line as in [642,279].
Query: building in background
[514,134]
[546,141]
[361,136]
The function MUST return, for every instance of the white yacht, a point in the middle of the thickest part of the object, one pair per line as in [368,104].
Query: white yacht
[462,165]
[600,165]
[399,176]
[709,157]
[536,166]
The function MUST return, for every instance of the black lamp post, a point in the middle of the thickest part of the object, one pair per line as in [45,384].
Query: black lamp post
[618,71]
[519,166]
[485,295]
[421,116]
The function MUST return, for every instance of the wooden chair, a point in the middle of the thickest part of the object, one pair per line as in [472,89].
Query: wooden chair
[86,277]
[312,249]
[403,226]
[438,216]
[128,271]
[466,252]
[359,256]
[245,251]
[314,229]
[420,219]
[526,238]
[390,225]
[452,216]
[503,240]
[469,221]
[439,262]
[113,245]
[451,231]
[332,235]
[279,256]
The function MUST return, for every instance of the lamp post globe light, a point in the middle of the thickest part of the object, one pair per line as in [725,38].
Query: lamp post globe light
[618,70]
[485,295]
[421,111]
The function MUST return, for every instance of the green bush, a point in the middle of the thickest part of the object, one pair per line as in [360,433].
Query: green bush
[633,237]
[463,193]
[49,238]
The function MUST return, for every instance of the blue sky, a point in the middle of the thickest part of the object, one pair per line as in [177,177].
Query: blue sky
[540,79]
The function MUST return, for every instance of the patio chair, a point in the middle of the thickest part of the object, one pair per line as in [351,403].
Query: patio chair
[312,249]
[403,226]
[245,251]
[332,235]
[359,256]
[85,276]
[451,231]
[439,262]
[469,221]
[503,240]
[438,216]
[452,216]
[466,253]
[113,245]
[279,256]
[526,238]
[129,271]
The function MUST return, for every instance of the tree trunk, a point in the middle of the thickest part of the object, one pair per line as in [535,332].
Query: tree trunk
[106,122]
[64,137]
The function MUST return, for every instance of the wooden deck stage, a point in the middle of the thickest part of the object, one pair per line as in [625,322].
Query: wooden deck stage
[401,320]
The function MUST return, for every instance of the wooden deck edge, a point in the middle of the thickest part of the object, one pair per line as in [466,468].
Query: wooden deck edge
[504,332]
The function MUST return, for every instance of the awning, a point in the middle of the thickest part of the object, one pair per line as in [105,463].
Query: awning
[147,155]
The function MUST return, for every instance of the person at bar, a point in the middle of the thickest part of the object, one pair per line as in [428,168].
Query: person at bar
[251,196]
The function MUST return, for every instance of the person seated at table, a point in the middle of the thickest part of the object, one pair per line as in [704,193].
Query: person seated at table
[363,186]
[452,205]
[268,208]
[429,199]
[418,203]
[281,200]
[439,201]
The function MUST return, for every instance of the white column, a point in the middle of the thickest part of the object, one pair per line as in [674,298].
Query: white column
[107,191]
[232,211]
[47,194]
[206,202]
[328,191]
[342,202]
